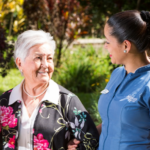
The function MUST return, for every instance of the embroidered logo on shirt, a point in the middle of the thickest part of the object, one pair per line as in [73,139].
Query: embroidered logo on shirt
[129,98]
[105,91]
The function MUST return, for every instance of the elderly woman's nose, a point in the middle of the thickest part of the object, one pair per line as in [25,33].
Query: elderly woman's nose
[44,62]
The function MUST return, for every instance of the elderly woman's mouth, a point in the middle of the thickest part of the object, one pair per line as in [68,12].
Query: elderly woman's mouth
[43,73]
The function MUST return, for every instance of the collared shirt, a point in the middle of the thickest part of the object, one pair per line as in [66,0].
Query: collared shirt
[124,107]
[26,123]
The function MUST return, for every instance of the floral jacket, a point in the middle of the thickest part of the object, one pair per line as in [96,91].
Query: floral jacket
[54,125]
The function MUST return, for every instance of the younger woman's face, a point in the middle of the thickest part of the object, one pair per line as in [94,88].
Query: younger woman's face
[114,48]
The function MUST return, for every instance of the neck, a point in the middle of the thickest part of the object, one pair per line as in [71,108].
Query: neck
[136,61]
[34,89]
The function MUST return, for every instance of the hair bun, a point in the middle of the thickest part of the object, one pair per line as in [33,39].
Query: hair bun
[145,16]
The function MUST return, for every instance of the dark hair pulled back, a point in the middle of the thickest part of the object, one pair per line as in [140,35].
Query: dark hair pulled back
[132,25]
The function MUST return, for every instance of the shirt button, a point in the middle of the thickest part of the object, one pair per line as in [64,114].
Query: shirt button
[28,145]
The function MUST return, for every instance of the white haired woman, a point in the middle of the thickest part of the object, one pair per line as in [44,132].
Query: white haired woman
[38,113]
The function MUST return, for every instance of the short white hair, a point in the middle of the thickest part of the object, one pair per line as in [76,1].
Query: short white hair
[30,38]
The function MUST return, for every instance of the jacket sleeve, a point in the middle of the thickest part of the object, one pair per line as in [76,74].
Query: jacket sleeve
[82,126]
[1,144]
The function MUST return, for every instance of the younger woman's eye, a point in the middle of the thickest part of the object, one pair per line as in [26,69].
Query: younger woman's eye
[106,42]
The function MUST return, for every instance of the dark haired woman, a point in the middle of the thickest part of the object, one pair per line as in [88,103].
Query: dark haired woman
[124,105]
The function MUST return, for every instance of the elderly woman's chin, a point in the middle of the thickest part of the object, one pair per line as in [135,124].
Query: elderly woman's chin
[43,77]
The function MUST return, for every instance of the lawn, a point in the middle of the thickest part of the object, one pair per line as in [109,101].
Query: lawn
[12,79]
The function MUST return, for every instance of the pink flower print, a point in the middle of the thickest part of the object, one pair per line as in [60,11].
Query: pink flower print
[40,111]
[40,136]
[7,118]
[19,101]
[9,91]
[40,143]
[33,131]
[6,111]
[11,142]
[12,121]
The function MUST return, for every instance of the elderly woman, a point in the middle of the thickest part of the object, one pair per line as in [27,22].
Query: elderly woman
[38,113]
[124,104]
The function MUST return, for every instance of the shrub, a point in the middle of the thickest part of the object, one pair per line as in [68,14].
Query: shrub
[82,70]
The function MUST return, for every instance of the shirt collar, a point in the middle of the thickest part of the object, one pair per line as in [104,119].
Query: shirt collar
[52,93]
[141,69]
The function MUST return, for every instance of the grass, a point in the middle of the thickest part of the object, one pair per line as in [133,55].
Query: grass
[11,80]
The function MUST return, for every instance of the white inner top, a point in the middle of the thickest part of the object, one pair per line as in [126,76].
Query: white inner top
[26,123]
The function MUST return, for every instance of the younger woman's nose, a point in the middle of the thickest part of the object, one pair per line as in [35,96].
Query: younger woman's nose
[105,45]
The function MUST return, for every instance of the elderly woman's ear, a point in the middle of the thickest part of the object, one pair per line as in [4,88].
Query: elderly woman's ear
[19,63]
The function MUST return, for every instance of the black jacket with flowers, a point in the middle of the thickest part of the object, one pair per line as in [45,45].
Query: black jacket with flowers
[54,124]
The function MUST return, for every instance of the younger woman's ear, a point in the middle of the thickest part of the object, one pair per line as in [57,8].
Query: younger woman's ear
[127,45]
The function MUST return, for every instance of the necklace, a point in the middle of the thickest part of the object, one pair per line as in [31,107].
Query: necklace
[35,97]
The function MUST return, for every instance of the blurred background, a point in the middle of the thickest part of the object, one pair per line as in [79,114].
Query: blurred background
[81,62]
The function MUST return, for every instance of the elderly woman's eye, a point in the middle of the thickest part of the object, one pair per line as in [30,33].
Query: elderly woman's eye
[50,58]
[38,57]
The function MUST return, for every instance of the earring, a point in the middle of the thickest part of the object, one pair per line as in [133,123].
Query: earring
[125,51]
[21,70]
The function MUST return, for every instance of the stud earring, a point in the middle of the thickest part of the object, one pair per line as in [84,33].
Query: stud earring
[21,72]
[125,51]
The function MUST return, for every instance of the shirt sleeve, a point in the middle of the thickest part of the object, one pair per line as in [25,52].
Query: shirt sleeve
[82,126]
[145,97]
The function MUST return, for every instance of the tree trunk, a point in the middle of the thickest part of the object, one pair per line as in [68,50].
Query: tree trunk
[138,4]
[59,53]
[11,24]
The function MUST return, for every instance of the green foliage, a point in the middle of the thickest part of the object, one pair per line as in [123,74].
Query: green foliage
[12,16]
[64,19]
[85,71]
[82,69]
[11,80]
[6,52]
[101,10]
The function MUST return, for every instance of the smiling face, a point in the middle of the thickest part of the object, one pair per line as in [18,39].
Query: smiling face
[114,48]
[38,66]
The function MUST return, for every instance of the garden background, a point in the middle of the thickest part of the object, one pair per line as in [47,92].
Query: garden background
[82,67]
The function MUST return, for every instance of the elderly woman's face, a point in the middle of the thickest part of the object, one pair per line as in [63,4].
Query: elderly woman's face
[38,65]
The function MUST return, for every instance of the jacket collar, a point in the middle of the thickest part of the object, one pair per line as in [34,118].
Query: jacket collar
[52,93]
